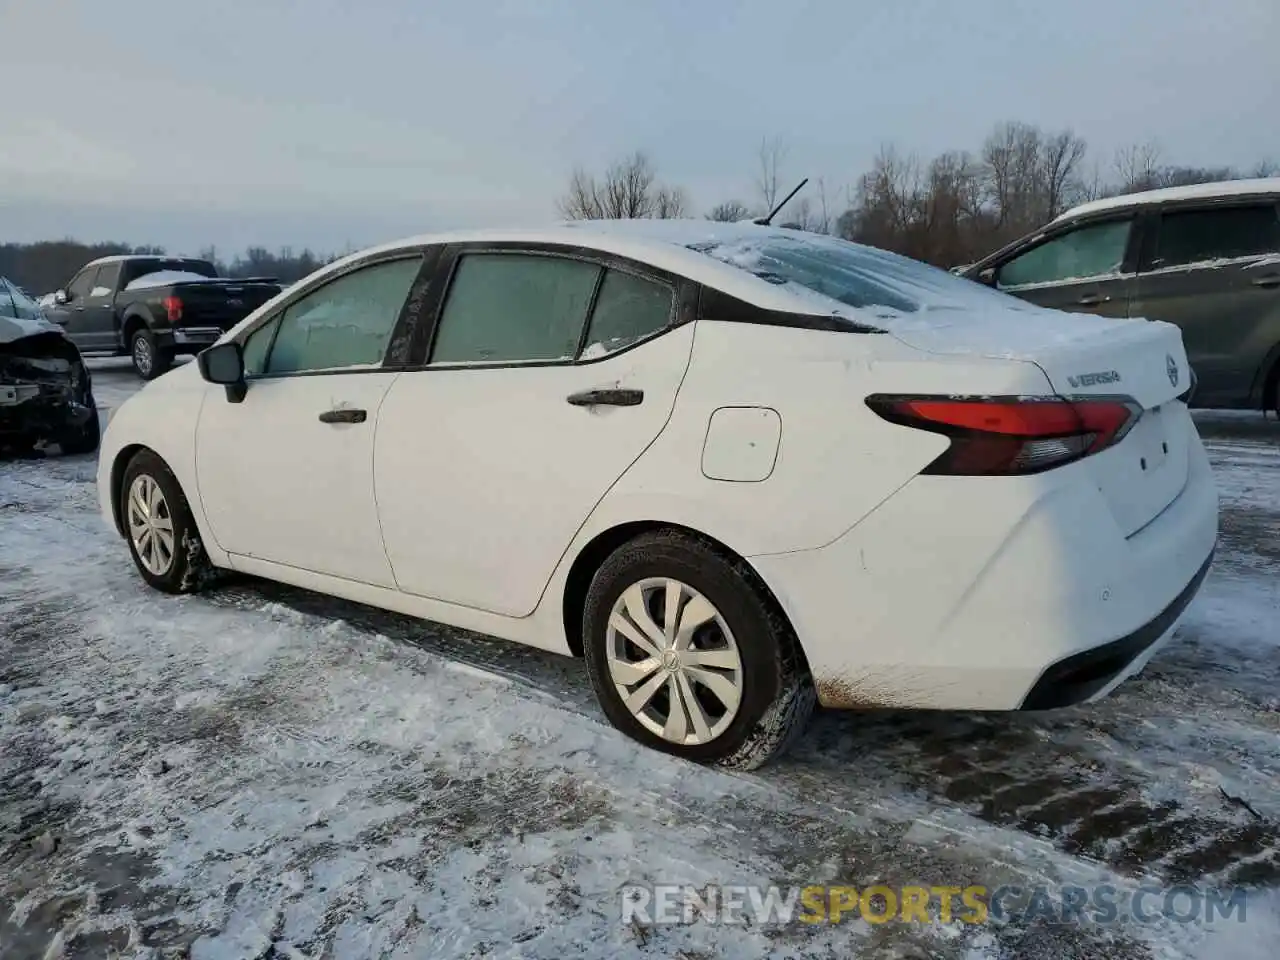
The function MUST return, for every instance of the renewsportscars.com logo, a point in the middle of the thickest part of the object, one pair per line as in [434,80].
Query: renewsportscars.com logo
[1101,904]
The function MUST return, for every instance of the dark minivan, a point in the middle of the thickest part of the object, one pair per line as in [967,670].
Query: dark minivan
[1204,257]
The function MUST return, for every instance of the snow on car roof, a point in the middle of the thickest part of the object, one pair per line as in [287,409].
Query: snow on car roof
[164,278]
[731,257]
[119,257]
[1198,191]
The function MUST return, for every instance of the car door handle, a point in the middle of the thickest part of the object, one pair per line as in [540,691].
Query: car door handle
[345,415]
[607,398]
[1092,299]
[1270,280]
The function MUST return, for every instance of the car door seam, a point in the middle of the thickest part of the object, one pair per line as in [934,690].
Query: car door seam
[373,477]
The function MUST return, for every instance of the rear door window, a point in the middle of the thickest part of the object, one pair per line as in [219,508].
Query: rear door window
[628,309]
[1187,237]
[1086,253]
[514,308]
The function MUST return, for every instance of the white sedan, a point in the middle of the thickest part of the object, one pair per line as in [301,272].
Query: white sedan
[736,468]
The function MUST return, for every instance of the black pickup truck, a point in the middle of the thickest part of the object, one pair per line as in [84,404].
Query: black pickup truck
[153,308]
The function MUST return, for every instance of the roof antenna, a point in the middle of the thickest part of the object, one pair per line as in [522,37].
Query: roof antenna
[767,221]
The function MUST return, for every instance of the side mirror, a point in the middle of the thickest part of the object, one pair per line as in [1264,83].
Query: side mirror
[60,297]
[224,363]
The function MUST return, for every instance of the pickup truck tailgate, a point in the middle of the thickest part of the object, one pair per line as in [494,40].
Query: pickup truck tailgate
[219,303]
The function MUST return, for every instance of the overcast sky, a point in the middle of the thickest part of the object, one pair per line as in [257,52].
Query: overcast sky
[335,122]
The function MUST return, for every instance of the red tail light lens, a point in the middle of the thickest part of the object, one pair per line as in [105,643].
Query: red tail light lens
[173,308]
[1011,436]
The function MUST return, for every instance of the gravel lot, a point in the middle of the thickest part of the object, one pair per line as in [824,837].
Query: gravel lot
[259,772]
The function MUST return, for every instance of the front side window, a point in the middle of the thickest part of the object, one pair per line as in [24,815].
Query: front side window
[511,308]
[8,306]
[256,346]
[345,323]
[1200,236]
[81,284]
[628,309]
[104,284]
[1091,251]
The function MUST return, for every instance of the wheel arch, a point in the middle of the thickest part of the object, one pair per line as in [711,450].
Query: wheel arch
[133,318]
[603,544]
[119,464]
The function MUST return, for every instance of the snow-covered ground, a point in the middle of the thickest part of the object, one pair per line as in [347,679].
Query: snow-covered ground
[262,773]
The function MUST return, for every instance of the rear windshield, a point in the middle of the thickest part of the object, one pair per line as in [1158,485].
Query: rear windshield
[857,276]
[136,269]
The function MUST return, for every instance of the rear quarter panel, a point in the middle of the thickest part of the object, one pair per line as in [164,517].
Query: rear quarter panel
[836,459]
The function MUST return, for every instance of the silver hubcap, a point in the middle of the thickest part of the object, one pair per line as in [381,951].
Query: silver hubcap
[142,354]
[674,661]
[150,525]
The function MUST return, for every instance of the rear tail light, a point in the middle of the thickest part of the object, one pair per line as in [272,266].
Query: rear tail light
[1011,435]
[173,308]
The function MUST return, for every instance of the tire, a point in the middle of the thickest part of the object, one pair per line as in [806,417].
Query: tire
[774,689]
[184,566]
[150,360]
[84,438]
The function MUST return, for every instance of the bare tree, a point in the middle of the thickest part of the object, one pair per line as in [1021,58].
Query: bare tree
[1137,166]
[670,203]
[730,211]
[1060,158]
[1265,168]
[627,191]
[773,150]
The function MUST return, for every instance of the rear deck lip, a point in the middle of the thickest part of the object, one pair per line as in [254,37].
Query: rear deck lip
[1057,685]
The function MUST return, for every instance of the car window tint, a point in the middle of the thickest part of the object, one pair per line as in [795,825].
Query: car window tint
[81,283]
[104,283]
[1196,236]
[255,349]
[1092,251]
[346,323]
[513,307]
[628,308]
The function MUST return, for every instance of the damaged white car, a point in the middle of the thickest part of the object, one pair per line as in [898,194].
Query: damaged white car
[46,393]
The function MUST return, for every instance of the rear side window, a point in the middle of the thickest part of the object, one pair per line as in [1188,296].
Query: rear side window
[510,308]
[1227,233]
[345,323]
[1096,250]
[628,309]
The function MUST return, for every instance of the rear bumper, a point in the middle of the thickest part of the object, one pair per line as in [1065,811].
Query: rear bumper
[1091,674]
[1028,597]
[188,339]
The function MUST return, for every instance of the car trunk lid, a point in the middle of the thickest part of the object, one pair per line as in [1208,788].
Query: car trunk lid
[1086,357]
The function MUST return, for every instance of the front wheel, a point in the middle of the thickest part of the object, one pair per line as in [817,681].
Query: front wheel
[149,358]
[687,654]
[161,531]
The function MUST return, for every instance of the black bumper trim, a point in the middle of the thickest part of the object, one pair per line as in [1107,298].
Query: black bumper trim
[1081,675]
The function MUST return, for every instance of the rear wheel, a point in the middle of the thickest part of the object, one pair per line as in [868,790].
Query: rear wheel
[149,358]
[159,527]
[687,655]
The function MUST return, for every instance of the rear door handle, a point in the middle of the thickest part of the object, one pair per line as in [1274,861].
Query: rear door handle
[345,415]
[1270,280]
[607,398]
[1092,299]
